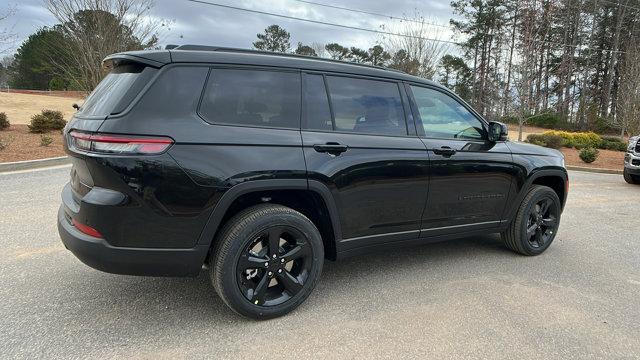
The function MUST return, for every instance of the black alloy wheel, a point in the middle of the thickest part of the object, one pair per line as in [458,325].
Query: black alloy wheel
[266,261]
[536,222]
[542,222]
[274,267]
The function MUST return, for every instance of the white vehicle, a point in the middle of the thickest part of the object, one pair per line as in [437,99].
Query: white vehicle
[632,161]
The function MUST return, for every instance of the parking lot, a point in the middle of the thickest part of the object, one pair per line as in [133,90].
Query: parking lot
[469,298]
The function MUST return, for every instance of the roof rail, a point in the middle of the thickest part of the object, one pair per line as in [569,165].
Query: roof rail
[262,52]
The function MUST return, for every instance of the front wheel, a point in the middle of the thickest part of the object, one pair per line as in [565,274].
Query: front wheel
[631,179]
[267,261]
[536,222]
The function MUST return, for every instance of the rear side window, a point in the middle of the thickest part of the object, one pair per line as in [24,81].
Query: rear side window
[317,113]
[252,98]
[116,90]
[366,106]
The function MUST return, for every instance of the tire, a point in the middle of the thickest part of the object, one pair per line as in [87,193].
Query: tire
[518,236]
[266,290]
[631,179]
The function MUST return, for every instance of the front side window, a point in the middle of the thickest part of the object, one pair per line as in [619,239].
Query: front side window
[444,117]
[252,98]
[366,106]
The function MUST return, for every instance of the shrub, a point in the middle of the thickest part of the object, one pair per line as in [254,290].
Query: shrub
[613,143]
[611,138]
[549,120]
[552,141]
[56,118]
[39,124]
[57,83]
[534,137]
[46,121]
[45,140]
[589,154]
[546,140]
[4,122]
[577,139]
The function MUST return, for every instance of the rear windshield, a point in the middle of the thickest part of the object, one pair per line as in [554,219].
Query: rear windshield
[108,96]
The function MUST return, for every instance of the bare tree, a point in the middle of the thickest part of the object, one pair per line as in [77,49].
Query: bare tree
[319,49]
[416,43]
[525,73]
[93,29]
[6,35]
[629,93]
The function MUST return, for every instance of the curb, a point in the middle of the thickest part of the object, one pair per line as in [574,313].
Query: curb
[600,171]
[34,164]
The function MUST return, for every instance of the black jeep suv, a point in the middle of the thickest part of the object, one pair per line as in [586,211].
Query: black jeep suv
[259,166]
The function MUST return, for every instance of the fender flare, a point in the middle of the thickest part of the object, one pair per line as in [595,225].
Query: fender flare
[215,218]
[557,172]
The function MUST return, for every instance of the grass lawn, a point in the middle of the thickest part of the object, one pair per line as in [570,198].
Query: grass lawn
[21,107]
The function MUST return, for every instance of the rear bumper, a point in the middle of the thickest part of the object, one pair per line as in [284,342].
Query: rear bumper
[100,255]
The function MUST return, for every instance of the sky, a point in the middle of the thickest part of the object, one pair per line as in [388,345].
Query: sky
[195,23]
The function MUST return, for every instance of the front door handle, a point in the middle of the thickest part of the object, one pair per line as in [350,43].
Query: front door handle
[332,148]
[444,151]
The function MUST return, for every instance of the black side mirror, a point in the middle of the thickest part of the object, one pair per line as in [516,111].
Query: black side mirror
[498,131]
[76,106]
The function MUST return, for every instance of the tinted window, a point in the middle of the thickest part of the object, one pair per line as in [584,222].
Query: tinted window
[110,91]
[366,106]
[444,117]
[316,104]
[253,98]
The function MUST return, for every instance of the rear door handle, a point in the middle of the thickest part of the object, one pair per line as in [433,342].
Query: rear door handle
[444,151]
[332,148]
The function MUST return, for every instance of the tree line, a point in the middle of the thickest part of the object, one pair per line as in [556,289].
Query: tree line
[577,59]
[575,63]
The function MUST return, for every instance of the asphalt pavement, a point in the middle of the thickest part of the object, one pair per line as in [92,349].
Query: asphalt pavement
[468,298]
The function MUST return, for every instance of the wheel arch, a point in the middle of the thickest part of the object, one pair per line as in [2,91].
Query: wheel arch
[556,178]
[311,198]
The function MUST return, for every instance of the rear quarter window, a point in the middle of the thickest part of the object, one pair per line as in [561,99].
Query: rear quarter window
[252,98]
[116,91]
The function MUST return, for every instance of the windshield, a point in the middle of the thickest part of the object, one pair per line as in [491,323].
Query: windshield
[106,96]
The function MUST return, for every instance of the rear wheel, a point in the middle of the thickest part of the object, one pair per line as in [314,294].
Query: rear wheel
[631,179]
[536,222]
[267,261]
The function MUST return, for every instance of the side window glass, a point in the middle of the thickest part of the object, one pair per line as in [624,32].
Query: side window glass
[444,117]
[252,98]
[316,104]
[366,106]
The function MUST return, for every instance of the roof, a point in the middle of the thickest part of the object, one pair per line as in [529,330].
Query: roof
[224,55]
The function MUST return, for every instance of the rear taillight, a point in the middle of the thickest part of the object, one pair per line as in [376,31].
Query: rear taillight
[118,144]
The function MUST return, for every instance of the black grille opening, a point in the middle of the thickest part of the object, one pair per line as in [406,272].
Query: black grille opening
[635,162]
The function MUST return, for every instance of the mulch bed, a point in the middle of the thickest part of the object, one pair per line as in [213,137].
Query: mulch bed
[23,145]
[607,159]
